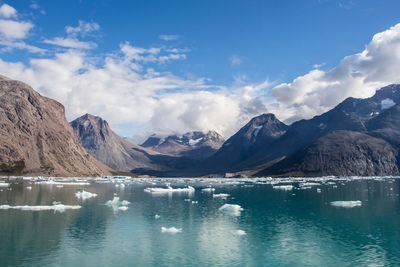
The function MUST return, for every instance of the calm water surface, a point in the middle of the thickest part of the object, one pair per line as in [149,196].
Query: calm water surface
[297,227]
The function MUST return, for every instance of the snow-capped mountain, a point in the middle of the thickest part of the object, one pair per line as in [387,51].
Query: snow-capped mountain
[195,145]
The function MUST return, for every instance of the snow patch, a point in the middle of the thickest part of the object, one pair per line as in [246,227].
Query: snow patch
[387,103]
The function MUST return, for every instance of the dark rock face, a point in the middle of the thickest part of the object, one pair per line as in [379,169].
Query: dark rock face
[377,116]
[341,153]
[193,145]
[253,138]
[101,142]
[35,137]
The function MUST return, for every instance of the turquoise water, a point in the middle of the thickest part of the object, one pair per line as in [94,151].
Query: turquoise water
[298,227]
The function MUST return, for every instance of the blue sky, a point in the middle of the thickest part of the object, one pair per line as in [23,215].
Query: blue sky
[244,55]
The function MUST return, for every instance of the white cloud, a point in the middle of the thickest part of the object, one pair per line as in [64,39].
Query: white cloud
[168,37]
[357,75]
[82,29]
[10,29]
[71,43]
[7,11]
[235,60]
[121,90]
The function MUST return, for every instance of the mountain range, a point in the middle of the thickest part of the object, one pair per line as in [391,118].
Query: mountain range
[357,137]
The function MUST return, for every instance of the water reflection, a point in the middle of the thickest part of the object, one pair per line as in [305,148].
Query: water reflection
[283,227]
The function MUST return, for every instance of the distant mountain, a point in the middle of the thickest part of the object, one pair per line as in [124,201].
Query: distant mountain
[377,116]
[340,153]
[35,137]
[101,142]
[194,145]
[256,135]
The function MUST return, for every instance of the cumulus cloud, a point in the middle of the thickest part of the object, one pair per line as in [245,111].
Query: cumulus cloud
[7,11]
[10,29]
[82,29]
[357,75]
[123,90]
[168,37]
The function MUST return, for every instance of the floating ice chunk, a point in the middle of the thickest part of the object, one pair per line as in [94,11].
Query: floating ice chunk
[208,189]
[123,208]
[55,207]
[116,204]
[221,195]
[85,195]
[52,182]
[125,203]
[283,187]
[171,230]
[29,187]
[239,232]
[195,202]
[307,184]
[187,199]
[120,185]
[318,190]
[59,186]
[3,184]
[157,216]
[347,204]
[169,189]
[231,209]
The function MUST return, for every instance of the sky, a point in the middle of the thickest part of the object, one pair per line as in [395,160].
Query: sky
[169,67]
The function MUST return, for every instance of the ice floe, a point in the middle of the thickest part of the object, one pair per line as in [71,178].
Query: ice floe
[231,209]
[221,195]
[157,216]
[55,208]
[346,204]
[169,189]
[3,184]
[239,232]
[171,230]
[85,195]
[29,187]
[208,190]
[283,187]
[116,204]
[52,182]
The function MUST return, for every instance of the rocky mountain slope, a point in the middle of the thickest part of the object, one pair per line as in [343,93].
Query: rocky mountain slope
[35,137]
[193,145]
[101,142]
[378,120]
[259,133]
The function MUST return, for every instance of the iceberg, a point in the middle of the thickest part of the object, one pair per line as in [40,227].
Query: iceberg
[116,204]
[231,209]
[208,189]
[85,195]
[171,230]
[169,189]
[283,187]
[56,207]
[239,232]
[52,182]
[221,195]
[346,204]
[3,184]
